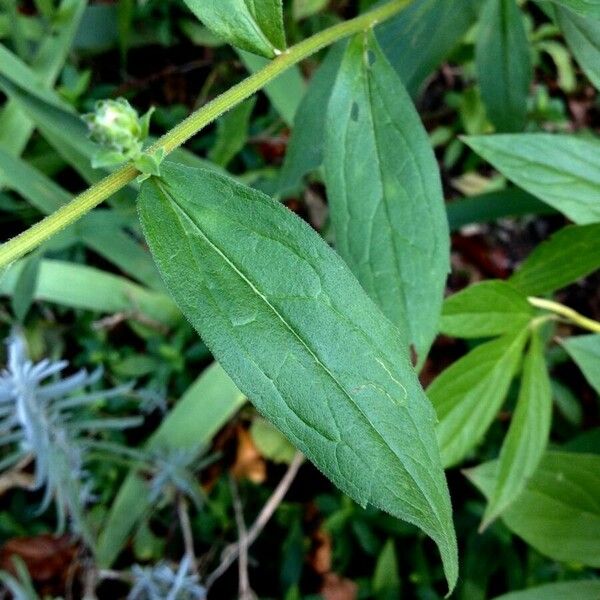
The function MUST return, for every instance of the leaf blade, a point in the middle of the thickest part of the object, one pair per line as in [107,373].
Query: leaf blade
[256,268]
[374,210]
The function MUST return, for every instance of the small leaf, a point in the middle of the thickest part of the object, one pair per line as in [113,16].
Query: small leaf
[527,436]
[468,394]
[561,170]
[564,590]
[386,579]
[558,513]
[376,203]
[232,133]
[583,38]
[585,351]
[503,64]
[252,25]
[570,254]
[25,286]
[298,335]
[485,309]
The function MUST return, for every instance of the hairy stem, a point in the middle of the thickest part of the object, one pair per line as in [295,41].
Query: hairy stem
[567,313]
[83,203]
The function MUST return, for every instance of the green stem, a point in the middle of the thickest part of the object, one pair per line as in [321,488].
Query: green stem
[566,312]
[83,203]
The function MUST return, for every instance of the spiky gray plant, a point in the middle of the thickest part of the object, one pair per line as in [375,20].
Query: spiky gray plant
[39,413]
[162,582]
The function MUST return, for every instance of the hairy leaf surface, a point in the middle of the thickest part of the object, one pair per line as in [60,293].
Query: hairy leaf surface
[293,328]
[385,193]
[253,25]
[561,170]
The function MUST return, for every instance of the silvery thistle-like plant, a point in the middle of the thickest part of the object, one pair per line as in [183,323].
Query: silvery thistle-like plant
[162,582]
[39,419]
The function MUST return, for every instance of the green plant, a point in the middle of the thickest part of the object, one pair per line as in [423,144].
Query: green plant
[327,343]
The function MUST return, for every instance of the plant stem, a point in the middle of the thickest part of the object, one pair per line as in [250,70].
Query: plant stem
[83,203]
[568,313]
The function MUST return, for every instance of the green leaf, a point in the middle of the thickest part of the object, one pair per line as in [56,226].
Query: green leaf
[305,148]
[204,408]
[232,133]
[527,435]
[78,286]
[468,395]
[570,254]
[296,332]
[564,590]
[585,351]
[418,40]
[386,579]
[285,92]
[585,8]
[503,64]
[491,206]
[270,442]
[561,170]
[583,38]
[252,25]
[376,203]
[25,286]
[558,513]
[306,8]
[485,309]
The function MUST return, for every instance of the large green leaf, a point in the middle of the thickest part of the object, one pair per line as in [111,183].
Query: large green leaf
[558,513]
[586,8]
[583,39]
[485,309]
[561,170]
[204,408]
[585,351]
[387,211]
[503,64]
[564,590]
[570,254]
[423,35]
[468,395]
[293,328]
[252,25]
[527,436]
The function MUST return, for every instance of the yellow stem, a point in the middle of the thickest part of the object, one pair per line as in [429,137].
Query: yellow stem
[568,313]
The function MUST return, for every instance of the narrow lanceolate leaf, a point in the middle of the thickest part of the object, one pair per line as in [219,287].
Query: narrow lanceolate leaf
[585,351]
[252,25]
[527,436]
[585,8]
[561,170]
[503,64]
[385,194]
[485,309]
[558,513]
[295,331]
[583,38]
[570,254]
[468,395]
